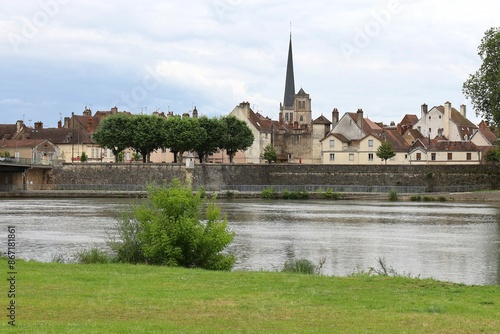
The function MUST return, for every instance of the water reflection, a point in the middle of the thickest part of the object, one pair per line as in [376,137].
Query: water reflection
[447,241]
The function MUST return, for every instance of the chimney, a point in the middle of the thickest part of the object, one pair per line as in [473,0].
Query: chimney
[360,118]
[447,118]
[90,122]
[19,125]
[335,116]
[195,112]
[463,110]
[38,125]
[424,110]
[114,110]
[87,112]
[66,122]
[59,124]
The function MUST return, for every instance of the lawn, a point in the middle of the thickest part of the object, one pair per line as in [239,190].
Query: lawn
[122,298]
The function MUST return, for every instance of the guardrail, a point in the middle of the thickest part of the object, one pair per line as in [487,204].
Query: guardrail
[260,188]
[26,161]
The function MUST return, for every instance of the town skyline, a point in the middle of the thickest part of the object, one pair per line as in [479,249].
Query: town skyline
[387,57]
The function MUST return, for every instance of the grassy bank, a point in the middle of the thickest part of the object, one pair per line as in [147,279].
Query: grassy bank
[116,298]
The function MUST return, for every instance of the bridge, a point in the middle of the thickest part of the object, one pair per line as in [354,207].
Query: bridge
[16,174]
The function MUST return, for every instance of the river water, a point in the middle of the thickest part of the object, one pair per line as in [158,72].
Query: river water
[455,242]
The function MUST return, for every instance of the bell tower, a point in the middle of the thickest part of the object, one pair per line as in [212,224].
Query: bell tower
[287,108]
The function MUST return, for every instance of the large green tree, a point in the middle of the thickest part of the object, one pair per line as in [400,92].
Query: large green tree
[148,133]
[183,134]
[483,87]
[239,137]
[385,151]
[216,135]
[114,132]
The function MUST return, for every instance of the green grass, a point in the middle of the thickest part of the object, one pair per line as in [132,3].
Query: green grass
[122,298]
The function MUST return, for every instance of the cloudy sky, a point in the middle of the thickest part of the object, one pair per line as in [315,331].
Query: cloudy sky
[384,56]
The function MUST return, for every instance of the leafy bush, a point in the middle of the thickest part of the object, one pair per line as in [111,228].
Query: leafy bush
[442,199]
[93,255]
[330,193]
[168,230]
[428,199]
[415,198]
[268,193]
[302,266]
[393,195]
[295,194]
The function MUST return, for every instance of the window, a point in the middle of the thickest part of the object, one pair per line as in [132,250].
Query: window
[419,156]
[291,117]
[351,156]
[433,156]
[450,156]
[105,152]
[286,117]
[429,117]
[332,143]
[370,143]
[370,156]
[469,156]
[302,118]
[332,156]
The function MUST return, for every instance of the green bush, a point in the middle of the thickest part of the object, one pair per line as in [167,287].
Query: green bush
[169,229]
[268,193]
[295,194]
[415,198]
[393,195]
[331,194]
[302,266]
[93,255]
[442,199]
[428,199]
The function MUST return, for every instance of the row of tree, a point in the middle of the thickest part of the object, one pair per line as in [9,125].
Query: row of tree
[148,133]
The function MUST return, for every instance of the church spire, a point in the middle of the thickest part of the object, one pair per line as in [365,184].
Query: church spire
[289,81]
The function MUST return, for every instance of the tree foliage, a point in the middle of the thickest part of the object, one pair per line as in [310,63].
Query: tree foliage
[168,230]
[385,151]
[483,87]
[148,133]
[114,133]
[239,136]
[270,153]
[184,135]
[216,135]
[493,155]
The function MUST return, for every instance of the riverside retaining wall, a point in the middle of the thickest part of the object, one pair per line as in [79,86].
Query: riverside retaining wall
[219,176]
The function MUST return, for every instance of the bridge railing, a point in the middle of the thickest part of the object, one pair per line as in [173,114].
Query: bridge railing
[26,161]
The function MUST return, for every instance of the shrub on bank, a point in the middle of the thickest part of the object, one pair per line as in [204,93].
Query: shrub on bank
[169,229]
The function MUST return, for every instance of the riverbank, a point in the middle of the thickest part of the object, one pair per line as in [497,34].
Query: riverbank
[476,196]
[122,298]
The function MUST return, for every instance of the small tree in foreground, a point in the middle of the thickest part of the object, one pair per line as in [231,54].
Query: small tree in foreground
[168,230]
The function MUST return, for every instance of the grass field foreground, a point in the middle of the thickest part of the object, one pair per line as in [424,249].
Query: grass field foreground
[122,298]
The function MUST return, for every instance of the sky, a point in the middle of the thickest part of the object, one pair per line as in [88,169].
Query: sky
[387,57]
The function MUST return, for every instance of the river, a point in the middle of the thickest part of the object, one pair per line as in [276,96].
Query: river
[456,242]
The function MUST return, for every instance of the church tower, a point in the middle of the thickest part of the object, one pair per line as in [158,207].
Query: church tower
[296,108]
[287,108]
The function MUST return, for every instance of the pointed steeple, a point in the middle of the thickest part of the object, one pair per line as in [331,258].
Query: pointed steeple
[289,81]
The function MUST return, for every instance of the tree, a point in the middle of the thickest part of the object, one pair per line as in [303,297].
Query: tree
[183,134]
[483,87]
[148,133]
[114,133]
[239,137]
[168,230]
[493,155]
[214,129]
[270,153]
[385,151]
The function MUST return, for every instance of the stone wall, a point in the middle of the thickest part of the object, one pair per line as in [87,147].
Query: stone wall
[217,176]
